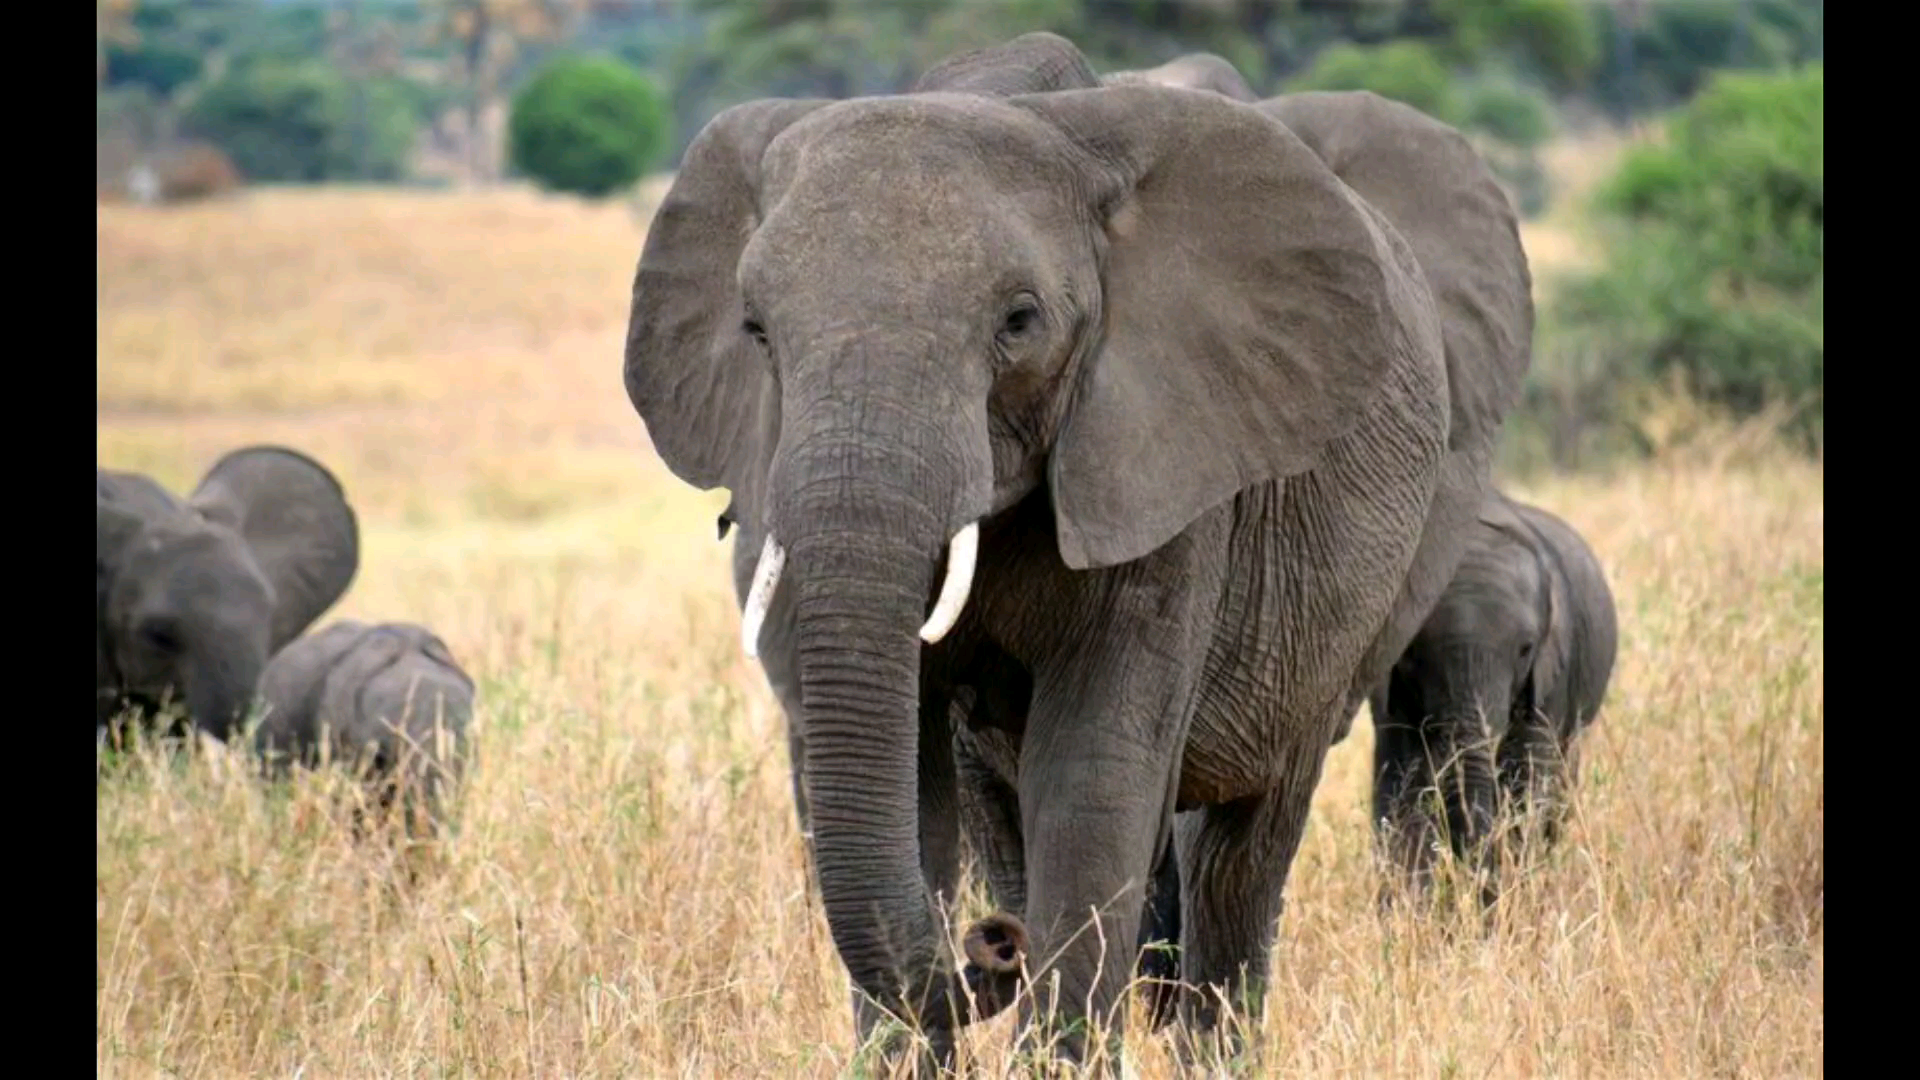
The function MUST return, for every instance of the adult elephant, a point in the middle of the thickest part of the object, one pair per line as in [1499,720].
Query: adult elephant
[1174,419]
[194,596]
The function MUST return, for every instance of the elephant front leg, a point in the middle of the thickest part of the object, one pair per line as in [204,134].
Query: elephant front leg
[990,809]
[939,801]
[1534,763]
[1405,831]
[1097,770]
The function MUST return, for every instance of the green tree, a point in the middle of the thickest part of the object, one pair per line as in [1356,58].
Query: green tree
[296,121]
[1406,71]
[1556,40]
[486,35]
[587,125]
[1715,273]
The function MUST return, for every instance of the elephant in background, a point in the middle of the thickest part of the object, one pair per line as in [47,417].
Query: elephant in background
[939,341]
[1489,700]
[390,691]
[194,596]
[1195,71]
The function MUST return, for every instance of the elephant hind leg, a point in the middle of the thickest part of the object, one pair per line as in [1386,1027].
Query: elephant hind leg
[1234,861]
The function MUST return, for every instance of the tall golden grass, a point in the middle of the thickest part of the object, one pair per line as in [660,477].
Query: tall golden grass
[627,894]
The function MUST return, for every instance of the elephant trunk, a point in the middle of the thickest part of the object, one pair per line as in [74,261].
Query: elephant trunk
[1468,710]
[220,687]
[858,533]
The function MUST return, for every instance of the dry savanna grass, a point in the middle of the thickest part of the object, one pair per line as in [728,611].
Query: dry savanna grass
[627,894]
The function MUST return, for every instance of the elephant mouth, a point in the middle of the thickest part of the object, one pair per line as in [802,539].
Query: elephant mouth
[962,553]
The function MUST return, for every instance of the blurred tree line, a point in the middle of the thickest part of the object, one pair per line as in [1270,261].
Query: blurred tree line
[1713,276]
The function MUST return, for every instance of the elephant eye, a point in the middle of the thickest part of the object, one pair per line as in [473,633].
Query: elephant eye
[161,634]
[755,331]
[1526,649]
[1019,322]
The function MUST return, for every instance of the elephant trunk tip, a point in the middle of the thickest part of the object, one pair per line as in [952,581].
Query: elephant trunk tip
[996,944]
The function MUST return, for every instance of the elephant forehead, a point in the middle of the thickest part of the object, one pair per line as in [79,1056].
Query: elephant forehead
[906,190]
[187,565]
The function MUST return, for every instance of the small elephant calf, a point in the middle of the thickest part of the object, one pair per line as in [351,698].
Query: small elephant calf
[1487,702]
[392,690]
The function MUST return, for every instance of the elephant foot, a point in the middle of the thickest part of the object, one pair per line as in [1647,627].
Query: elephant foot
[996,948]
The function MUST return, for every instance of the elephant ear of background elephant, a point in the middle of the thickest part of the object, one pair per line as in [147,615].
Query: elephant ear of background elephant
[1468,242]
[696,377]
[1195,71]
[1292,302]
[1029,64]
[296,521]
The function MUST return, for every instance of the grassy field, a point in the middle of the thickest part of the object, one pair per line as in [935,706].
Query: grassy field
[628,896]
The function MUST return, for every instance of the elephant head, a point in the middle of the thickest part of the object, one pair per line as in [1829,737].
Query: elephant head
[1196,71]
[389,690]
[879,322]
[193,597]
[1495,637]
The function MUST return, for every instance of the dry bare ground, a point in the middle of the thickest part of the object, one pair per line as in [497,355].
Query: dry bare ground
[627,895]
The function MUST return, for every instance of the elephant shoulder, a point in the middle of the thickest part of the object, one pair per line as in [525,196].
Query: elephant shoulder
[1427,179]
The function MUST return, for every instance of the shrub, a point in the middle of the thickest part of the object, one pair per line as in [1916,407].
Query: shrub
[304,121]
[1677,46]
[1557,40]
[1715,275]
[160,68]
[1406,71]
[587,125]
[1508,111]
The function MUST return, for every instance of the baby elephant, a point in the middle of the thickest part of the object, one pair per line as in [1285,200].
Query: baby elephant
[1487,701]
[391,691]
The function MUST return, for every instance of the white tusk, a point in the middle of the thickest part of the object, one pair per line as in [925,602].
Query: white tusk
[766,576]
[953,591]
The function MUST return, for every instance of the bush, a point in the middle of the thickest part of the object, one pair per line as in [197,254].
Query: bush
[1677,46]
[160,68]
[1406,71]
[1508,111]
[1715,277]
[587,125]
[304,121]
[1557,40]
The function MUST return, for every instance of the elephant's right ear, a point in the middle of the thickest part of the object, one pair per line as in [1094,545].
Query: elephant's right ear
[693,374]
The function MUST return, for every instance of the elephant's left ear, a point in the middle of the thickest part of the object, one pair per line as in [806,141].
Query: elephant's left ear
[1254,308]
[297,522]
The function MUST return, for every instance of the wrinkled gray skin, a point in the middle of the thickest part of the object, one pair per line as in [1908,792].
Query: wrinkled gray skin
[1219,413]
[193,596]
[1489,700]
[1195,71]
[389,690]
